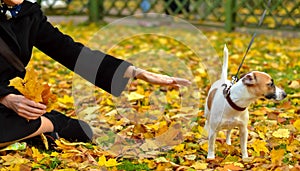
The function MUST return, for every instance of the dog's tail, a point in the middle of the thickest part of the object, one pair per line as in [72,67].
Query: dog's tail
[225,64]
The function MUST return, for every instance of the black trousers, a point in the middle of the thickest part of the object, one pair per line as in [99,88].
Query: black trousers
[14,127]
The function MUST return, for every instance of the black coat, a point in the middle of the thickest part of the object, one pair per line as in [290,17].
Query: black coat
[30,28]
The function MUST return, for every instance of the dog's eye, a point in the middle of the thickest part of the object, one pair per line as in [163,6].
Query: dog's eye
[271,84]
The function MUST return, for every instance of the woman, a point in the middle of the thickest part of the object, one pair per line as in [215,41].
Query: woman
[22,26]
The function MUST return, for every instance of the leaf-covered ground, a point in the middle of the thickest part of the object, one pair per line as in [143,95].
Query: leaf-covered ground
[133,132]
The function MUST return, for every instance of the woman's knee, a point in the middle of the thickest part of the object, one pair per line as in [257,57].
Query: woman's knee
[77,130]
[46,125]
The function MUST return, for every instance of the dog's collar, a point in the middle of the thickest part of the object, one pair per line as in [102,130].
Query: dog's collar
[226,93]
[232,104]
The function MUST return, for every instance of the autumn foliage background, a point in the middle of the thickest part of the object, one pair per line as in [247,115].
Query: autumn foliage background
[274,137]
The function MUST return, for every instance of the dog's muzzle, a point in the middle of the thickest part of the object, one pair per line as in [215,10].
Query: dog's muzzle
[277,95]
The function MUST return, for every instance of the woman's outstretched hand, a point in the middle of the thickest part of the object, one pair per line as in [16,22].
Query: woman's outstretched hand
[23,107]
[154,78]
[163,80]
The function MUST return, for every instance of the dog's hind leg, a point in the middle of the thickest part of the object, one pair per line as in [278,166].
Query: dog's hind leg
[243,140]
[207,116]
[211,144]
[228,137]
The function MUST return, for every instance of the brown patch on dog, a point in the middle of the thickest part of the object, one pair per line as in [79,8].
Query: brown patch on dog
[211,98]
[263,84]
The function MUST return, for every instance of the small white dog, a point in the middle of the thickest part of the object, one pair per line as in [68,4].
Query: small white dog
[226,107]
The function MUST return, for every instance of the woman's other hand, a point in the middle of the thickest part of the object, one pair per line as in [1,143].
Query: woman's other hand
[23,107]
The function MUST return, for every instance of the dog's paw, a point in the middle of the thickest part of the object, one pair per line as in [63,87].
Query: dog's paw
[210,157]
[247,159]
[209,160]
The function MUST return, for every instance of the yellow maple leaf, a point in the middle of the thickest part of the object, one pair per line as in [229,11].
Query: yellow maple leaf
[202,131]
[102,161]
[260,146]
[45,141]
[204,146]
[179,147]
[17,83]
[49,99]
[32,89]
[161,160]
[293,147]
[281,133]
[199,165]
[15,167]
[111,163]
[66,100]
[36,155]
[133,96]
[259,112]
[277,156]
[297,124]
[15,159]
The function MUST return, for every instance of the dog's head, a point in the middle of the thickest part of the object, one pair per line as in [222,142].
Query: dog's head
[261,84]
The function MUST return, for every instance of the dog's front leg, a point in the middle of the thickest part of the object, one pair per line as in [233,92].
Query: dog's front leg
[228,137]
[243,140]
[211,144]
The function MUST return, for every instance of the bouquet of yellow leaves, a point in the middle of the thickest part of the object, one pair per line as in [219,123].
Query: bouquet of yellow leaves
[34,90]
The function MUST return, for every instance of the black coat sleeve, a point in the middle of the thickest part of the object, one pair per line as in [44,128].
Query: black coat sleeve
[103,70]
[7,73]
[5,90]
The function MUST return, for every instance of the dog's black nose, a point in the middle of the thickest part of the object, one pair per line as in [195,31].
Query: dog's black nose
[271,96]
[284,95]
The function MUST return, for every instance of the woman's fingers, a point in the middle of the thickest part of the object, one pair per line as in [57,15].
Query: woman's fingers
[35,105]
[30,109]
[181,81]
[170,81]
[23,106]
[154,78]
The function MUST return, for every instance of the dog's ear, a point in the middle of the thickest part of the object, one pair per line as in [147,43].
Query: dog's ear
[249,79]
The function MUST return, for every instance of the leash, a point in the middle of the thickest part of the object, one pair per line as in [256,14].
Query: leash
[235,77]
[226,90]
